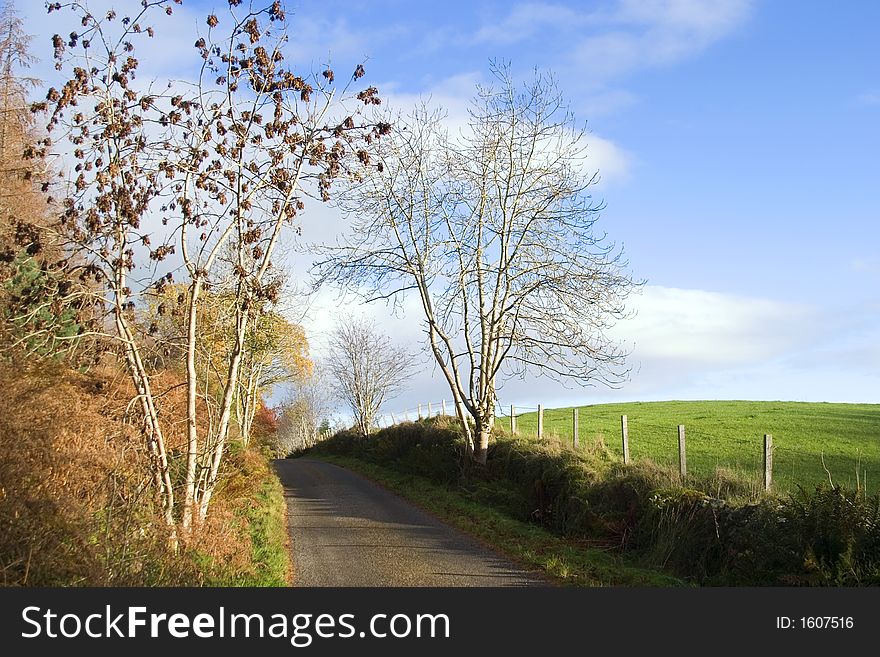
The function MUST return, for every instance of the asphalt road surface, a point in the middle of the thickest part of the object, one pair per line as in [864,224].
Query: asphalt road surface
[348,531]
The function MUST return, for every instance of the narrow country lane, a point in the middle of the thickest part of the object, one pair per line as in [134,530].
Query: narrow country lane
[347,531]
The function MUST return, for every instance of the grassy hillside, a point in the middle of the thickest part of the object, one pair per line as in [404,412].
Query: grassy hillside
[730,434]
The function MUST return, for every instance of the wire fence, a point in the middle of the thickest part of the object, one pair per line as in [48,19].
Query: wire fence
[711,447]
[793,461]
[418,412]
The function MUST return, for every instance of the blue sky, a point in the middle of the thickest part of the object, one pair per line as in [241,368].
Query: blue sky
[738,143]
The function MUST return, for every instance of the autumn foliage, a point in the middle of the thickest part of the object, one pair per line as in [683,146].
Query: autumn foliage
[187,188]
[265,422]
[139,334]
[76,505]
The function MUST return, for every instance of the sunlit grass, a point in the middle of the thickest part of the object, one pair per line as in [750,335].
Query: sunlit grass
[730,434]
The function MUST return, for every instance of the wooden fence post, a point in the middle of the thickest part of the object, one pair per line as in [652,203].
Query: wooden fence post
[768,462]
[624,434]
[512,419]
[429,409]
[420,411]
[575,432]
[393,420]
[443,403]
[540,421]
[682,456]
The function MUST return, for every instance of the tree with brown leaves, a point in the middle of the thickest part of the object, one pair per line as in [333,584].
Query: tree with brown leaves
[198,178]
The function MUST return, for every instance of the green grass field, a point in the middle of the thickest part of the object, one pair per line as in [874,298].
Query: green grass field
[730,434]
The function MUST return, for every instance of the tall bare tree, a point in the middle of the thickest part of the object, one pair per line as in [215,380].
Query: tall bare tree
[112,130]
[16,121]
[202,178]
[366,369]
[309,406]
[493,230]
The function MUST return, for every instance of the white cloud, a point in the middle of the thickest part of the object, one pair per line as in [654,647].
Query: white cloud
[698,17]
[626,36]
[699,328]
[608,55]
[650,33]
[854,344]
[611,161]
[525,20]
[869,98]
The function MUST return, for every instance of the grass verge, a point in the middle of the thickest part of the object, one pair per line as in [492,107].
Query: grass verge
[563,561]
[267,520]
[257,499]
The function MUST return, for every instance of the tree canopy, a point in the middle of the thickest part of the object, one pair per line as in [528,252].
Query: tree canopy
[494,230]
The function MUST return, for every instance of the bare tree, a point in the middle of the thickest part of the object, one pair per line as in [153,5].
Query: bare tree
[366,369]
[309,407]
[99,118]
[225,163]
[493,229]
[261,138]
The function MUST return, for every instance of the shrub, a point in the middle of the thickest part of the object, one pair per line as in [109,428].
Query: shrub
[75,503]
[731,485]
[719,529]
[74,507]
[839,534]
[34,313]
[429,448]
[621,498]
[548,482]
